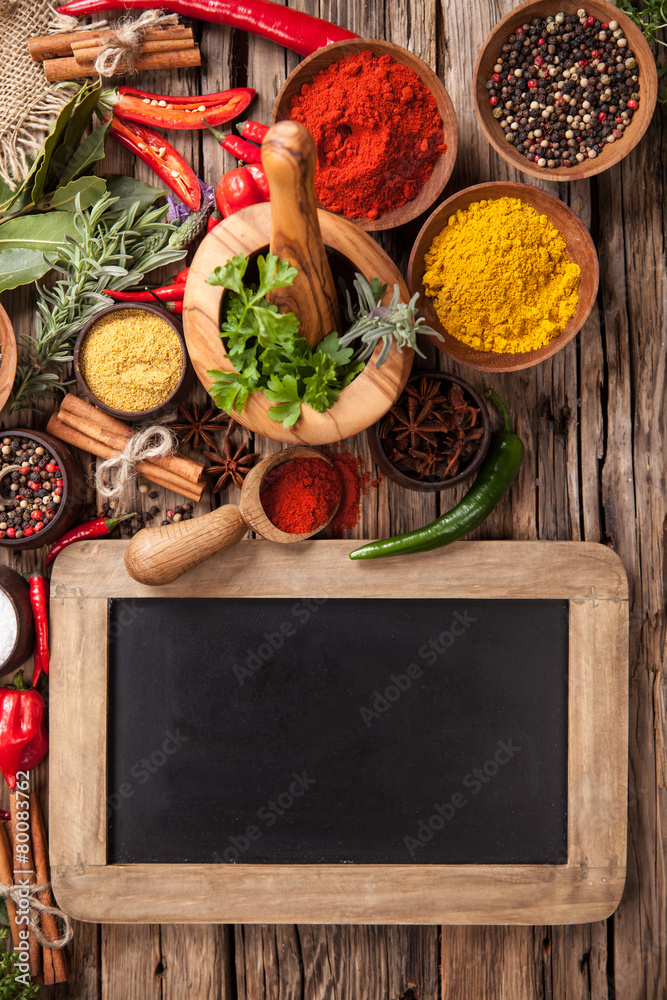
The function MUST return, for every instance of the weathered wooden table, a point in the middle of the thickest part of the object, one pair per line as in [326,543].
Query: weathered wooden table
[595,425]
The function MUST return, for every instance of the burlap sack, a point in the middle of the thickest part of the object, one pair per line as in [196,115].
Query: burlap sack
[28,104]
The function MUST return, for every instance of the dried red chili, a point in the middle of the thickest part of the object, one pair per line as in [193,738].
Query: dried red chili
[299,496]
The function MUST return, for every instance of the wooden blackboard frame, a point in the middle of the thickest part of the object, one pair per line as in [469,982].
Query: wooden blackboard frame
[587,888]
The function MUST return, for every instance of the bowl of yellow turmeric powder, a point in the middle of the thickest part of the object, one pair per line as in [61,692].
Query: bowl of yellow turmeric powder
[507,274]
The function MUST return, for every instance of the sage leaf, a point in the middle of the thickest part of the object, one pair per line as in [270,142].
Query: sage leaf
[36,232]
[21,267]
[63,198]
[128,190]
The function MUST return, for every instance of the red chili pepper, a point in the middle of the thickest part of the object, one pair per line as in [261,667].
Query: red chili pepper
[254,131]
[240,148]
[181,276]
[212,223]
[168,293]
[160,157]
[23,738]
[295,30]
[237,189]
[96,528]
[39,600]
[261,180]
[164,111]
[175,307]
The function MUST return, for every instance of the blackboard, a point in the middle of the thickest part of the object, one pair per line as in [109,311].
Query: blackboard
[383,731]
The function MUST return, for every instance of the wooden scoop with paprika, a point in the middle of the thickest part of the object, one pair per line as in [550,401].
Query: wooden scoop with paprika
[156,556]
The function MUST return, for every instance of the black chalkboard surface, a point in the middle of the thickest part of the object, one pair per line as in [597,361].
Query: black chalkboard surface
[369,731]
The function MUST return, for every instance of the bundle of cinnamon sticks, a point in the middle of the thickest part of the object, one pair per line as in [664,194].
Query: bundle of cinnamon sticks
[72,54]
[80,424]
[48,965]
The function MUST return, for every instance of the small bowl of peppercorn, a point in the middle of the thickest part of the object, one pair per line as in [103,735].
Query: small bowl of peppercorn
[42,489]
[564,91]
[436,434]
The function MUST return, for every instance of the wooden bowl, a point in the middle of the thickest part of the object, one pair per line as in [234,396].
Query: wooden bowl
[386,466]
[580,250]
[9,357]
[74,493]
[362,402]
[154,412]
[443,167]
[18,592]
[646,71]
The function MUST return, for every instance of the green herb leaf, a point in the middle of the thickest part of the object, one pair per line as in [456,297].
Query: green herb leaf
[87,154]
[40,168]
[230,275]
[36,232]
[230,390]
[90,189]
[129,191]
[71,156]
[20,267]
[329,345]
[274,273]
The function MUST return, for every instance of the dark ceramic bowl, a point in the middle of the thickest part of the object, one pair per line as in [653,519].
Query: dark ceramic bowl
[433,485]
[18,592]
[73,496]
[176,396]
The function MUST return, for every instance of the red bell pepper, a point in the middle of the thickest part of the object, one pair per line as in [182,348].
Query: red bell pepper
[23,738]
[256,170]
[292,28]
[163,111]
[162,158]
[253,131]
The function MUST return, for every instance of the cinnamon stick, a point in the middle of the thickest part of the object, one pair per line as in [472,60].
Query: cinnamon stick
[149,470]
[43,47]
[83,416]
[70,69]
[56,969]
[24,870]
[91,52]
[7,876]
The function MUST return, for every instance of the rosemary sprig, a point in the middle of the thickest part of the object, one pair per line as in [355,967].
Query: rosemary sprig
[110,250]
[392,324]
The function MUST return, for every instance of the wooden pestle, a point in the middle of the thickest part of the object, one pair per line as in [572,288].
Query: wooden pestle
[289,158]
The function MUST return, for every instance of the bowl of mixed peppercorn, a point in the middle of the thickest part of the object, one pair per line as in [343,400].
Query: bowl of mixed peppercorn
[42,489]
[436,434]
[564,91]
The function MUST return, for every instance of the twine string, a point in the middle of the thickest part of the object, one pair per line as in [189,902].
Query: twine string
[17,895]
[115,476]
[120,51]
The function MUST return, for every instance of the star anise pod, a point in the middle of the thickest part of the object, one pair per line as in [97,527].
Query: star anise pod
[199,428]
[228,466]
[425,462]
[415,425]
[426,391]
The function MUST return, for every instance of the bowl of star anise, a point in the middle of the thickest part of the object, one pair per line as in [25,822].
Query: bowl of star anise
[436,434]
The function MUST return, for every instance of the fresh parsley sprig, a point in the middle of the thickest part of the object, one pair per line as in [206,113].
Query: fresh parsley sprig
[267,351]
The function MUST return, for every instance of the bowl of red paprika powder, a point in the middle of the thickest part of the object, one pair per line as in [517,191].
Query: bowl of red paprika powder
[384,127]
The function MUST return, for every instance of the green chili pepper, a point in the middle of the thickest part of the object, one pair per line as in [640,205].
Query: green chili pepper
[497,473]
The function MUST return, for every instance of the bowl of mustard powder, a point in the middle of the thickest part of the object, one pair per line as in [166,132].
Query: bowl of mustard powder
[130,360]
[506,273]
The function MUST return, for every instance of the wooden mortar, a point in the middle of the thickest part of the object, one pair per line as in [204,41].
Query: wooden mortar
[156,556]
[295,229]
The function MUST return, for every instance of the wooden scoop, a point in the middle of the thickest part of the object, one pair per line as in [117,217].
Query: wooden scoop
[156,556]
[289,158]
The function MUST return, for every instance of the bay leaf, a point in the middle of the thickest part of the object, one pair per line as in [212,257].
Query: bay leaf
[88,153]
[21,267]
[70,143]
[40,168]
[63,198]
[128,190]
[36,232]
